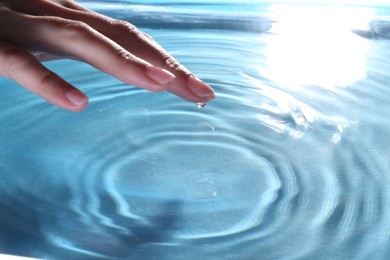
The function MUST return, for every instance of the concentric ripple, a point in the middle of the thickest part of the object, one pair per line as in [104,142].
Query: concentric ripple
[272,169]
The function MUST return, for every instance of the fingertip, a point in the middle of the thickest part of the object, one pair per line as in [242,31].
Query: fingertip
[76,109]
[200,88]
[212,96]
[78,100]
[160,76]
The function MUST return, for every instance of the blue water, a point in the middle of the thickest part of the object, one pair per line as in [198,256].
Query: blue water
[291,161]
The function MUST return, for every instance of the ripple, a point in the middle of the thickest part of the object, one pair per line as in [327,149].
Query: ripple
[266,171]
[182,184]
[176,16]
[203,185]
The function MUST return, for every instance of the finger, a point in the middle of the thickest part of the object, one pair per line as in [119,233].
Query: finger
[185,85]
[25,69]
[71,4]
[41,7]
[64,37]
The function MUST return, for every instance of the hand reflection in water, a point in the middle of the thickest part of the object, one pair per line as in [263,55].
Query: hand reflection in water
[37,30]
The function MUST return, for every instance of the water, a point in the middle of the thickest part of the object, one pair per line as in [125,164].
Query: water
[291,161]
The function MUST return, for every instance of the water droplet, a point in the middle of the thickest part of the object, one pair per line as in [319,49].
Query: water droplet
[201,105]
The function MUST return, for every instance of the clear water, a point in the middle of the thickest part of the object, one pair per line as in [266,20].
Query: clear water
[291,161]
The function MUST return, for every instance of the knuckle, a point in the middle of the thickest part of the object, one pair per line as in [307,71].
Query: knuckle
[148,36]
[73,30]
[173,63]
[46,81]
[150,40]
[65,3]
[44,84]
[123,26]
[125,56]
[4,11]
[71,5]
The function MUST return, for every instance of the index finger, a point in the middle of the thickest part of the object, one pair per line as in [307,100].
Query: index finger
[185,85]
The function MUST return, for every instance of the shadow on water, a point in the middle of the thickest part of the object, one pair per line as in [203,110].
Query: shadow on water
[155,228]
[20,218]
[22,231]
[19,233]
[43,224]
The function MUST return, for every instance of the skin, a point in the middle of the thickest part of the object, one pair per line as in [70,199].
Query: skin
[32,31]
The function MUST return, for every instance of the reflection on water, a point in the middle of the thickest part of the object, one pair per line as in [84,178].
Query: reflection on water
[290,161]
[311,39]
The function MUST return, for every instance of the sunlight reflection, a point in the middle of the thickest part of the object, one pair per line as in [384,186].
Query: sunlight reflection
[314,45]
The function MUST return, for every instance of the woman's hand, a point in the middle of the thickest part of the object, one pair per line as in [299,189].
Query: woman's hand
[35,30]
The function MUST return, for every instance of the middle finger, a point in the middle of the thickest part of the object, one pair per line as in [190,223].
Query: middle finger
[185,85]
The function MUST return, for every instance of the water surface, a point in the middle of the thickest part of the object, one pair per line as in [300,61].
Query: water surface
[291,161]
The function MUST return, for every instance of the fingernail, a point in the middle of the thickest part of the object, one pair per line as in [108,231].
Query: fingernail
[159,75]
[200,88]
[211,96]
[76,97]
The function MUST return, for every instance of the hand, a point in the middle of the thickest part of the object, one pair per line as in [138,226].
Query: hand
[35,30]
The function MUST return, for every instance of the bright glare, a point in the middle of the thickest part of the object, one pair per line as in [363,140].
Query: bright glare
[314,45]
